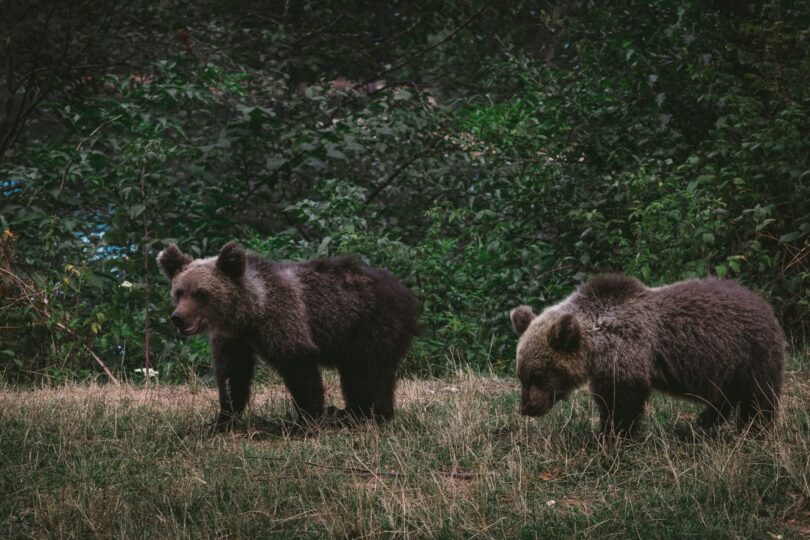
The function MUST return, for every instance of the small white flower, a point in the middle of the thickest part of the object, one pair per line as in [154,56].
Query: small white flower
[152,372]
[126,285]
[551,502]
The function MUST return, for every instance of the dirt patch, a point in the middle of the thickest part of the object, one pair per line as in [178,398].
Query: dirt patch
[409,391]
[420,391]
[184,396]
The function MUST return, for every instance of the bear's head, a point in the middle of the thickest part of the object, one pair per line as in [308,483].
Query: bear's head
[551,357]
[206,293]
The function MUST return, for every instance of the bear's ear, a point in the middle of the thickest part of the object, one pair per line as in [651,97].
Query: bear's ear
[521,316]
[231,260]
[565,334]
[171,260]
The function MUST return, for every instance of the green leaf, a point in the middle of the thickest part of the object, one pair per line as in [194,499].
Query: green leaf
[401,95]
[323,247]
[136,210]
[790,237]
[764,223]
[274,163]
[734,263]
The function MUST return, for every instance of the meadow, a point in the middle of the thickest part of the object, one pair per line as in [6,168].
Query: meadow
[489,154]
[100,461]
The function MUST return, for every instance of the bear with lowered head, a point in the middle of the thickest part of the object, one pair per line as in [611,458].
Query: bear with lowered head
[707,340]
[296,316]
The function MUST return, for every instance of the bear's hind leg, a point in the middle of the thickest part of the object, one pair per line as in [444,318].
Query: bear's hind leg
[303,380]
[386,381]
[713,415]
[758,412]
[384,398]
[234,361]
[357,385]
[368,391]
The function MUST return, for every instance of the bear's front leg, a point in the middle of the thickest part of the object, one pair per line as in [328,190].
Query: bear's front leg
[234,361]
[621,405]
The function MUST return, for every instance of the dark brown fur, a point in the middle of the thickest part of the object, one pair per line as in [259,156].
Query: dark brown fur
[328,312]
[709,340]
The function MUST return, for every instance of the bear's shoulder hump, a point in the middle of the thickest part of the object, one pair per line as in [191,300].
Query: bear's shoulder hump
[611,287]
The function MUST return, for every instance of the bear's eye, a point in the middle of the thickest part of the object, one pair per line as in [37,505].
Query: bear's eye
[179,293]
[200,294]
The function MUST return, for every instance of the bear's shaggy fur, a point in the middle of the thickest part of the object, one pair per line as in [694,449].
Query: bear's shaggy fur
[298,316]
[708,340]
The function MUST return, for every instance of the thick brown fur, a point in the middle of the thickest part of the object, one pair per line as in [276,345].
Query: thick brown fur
[298,316]
[709,340]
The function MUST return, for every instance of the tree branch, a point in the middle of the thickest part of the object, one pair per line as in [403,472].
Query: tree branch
[146,330]
[404,62]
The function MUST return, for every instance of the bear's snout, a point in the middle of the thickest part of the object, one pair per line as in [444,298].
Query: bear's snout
[185,326]
[533,409]
[536,401]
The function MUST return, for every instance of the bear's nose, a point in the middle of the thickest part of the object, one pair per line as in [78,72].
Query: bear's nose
[177,320]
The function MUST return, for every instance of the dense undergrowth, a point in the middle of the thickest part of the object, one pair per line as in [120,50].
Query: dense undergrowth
[487,155]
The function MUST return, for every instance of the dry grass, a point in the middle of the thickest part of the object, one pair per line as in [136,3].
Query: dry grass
[98,461]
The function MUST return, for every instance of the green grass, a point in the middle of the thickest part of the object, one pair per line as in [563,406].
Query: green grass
[457,461]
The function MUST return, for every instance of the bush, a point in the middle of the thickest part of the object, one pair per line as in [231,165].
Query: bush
[488,157]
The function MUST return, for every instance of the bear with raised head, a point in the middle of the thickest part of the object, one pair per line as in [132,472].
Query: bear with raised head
[707,340]
[296,316]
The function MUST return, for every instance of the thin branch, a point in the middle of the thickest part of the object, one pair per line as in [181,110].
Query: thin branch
[13,132]
[404,62]
[87,348]
[79,146]
[146,331]
[81,67]
[308,35]
[388,181]
[398,171]
[68,40]
[273,177]
[400,35]
[291,222]
[42,37]
[45,314]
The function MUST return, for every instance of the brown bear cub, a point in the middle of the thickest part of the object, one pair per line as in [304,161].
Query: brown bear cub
[708,340]
[297,316]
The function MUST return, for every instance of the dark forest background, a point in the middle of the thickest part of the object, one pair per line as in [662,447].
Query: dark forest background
[488,153]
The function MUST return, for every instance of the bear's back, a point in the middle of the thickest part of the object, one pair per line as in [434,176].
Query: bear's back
[715,303]
[346,300]
[612,288]
[711,330]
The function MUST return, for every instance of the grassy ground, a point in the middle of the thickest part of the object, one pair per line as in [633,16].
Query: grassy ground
[457,461]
